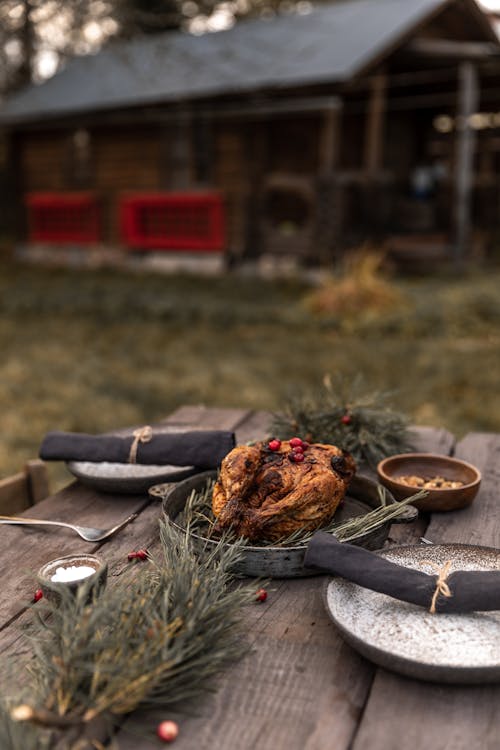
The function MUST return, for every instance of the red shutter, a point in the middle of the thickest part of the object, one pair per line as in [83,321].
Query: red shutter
[173,221]
[63,217]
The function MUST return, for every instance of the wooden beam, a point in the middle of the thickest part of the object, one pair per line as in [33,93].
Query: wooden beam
[375,124]
[452,48]
[468,102]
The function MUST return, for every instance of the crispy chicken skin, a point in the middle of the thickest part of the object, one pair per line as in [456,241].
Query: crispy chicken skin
[264,494]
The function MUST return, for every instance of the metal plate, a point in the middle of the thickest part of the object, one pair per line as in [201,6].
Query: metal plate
[452,648]
[125,478]
[281,562]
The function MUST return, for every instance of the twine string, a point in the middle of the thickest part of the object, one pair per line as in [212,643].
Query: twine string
[141,435]
[441,585]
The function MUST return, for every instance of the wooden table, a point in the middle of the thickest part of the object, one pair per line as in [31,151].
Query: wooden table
[301,687]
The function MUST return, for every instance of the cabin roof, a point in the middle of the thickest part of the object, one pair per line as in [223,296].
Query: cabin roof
[332,43]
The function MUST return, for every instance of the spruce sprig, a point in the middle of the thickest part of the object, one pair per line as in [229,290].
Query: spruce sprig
[340,413]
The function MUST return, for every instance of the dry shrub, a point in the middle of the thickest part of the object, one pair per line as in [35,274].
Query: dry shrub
[359,288]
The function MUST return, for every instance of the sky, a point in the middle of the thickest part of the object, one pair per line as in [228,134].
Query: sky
[493,5]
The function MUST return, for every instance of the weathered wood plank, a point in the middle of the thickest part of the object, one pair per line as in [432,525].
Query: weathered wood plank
[38,479]
[30,548]
[480,522]
[298,687]
[203,417]
[142,533]
[14,494]
[458,717]
[432,440]
[404,714]
[254,426]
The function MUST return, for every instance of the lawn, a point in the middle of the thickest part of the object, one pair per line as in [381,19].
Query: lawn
[93,350]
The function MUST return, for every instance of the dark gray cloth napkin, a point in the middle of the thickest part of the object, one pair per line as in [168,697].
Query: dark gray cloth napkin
[203,449]
[470,591]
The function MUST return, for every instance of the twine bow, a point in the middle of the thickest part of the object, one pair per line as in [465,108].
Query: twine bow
[441,585]
[141,435]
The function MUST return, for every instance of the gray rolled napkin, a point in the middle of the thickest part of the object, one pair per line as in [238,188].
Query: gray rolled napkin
[461,591]
[203,449]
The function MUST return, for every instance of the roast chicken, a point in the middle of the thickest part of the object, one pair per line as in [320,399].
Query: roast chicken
[267,494]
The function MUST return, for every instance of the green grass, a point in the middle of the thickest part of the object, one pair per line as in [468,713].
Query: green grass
[94,350]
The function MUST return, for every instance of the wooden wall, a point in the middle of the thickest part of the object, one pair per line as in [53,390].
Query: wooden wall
[42,157]
[246,154]
[120,160]
[124,160]
[231,173]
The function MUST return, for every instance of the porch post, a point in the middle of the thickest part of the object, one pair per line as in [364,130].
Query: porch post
[329,144]
[329,198]
[373,155]
[180,154]
[468,102]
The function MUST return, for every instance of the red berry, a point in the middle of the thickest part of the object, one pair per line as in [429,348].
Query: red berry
[305,445]
[296,441]
[274,445]
[141,554]
[37,595]
[167,731]
[261,595]
[297,457]
[298,449]
[346,419]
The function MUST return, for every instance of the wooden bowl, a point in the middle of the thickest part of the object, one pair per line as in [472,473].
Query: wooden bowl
[431,465]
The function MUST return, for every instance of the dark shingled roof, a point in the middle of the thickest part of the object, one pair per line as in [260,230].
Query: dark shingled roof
[329,44]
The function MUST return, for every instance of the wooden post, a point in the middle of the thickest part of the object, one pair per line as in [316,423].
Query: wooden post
[180,156]
[468,101]
[38,479]
[328,218]
[329,143]
[373,157]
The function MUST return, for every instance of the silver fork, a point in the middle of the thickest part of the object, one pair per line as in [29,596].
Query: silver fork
[86,532]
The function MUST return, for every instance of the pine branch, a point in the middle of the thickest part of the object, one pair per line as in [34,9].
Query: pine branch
[341,414]
[157,638]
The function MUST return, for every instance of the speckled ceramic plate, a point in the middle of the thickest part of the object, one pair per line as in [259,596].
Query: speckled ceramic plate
[105,476]
[125,478]
[452,648]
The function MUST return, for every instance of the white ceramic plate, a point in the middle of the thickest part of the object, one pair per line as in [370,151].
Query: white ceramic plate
[452,648]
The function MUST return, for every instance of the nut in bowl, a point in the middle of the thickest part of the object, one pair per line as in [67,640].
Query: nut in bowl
[451,484]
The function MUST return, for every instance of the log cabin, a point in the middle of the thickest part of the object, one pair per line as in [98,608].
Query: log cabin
[294,139]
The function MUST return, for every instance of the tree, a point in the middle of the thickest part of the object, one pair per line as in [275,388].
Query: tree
[147,16]
[37,36]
